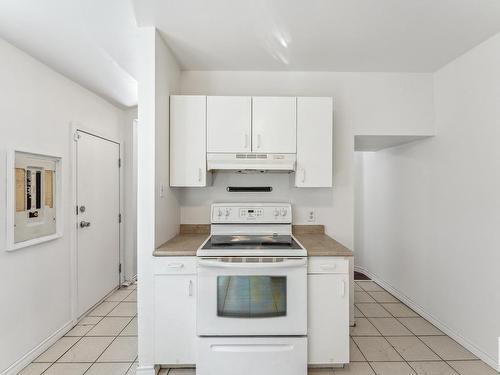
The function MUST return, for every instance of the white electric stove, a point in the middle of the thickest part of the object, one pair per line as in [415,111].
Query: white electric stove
[252,293]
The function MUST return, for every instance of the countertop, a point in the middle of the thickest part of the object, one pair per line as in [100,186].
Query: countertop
[312,237]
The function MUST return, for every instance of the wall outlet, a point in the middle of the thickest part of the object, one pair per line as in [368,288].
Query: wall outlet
[311,216]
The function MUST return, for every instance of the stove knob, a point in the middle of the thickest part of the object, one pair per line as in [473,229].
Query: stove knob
[228,211]
[219,213]
[283,212]
[276,212]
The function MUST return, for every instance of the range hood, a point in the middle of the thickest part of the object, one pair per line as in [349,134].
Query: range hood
[251,162]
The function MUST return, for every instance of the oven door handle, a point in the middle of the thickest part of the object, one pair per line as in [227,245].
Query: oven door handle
[285,264]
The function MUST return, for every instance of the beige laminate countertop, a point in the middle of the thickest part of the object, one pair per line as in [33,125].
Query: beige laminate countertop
[312,237]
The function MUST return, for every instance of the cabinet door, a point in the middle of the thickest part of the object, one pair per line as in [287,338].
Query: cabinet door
[188,159]
[314,142]
[328,319]
[229,123]
[274,125]
[175,319]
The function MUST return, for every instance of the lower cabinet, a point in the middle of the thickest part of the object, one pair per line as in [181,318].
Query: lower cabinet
[328,311]
[175,312]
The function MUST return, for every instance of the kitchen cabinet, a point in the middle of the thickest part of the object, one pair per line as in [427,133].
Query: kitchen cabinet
[188,159]
[229,124]
[314,142]
[274,125]
[175,310]
[328,311]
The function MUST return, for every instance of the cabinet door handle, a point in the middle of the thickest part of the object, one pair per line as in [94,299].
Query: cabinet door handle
[303,175]
[199,174]
[258,140]
[342,288]
[190,288]
[246,140]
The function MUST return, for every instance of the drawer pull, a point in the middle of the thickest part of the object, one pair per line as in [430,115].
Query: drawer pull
[175,265]
[190,288]
[342,288]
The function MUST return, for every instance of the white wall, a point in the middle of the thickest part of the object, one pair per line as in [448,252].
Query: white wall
[158,219]
[37,107]
[364,103]
[429,212]
[129,189]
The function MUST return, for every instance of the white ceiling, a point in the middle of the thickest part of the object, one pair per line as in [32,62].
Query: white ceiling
[326,35]
[93,42]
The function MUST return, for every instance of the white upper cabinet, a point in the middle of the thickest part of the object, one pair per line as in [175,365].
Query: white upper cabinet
[314,142]
[188,158]
[274,125]
[229,123]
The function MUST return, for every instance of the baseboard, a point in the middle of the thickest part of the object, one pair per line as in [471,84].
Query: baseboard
[26,359]
[439,324]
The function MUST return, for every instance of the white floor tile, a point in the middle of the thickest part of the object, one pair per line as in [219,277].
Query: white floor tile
[472,368]
[377,349]
[87,349]
[67,369]
[109,326]
[447,348]
[355,368]
[420,327]
[35,368]
[390,327]
[373,310]
[103,309]
[392,368]
[123,349]
[412,349]
[363,327]
[53,353]
[108,369]
[124,309]
[399,310]
[130,329]
[432,368]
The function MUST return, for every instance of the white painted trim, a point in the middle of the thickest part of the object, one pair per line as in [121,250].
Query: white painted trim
[11,245]
[26,359]
[76,126]
[438,323]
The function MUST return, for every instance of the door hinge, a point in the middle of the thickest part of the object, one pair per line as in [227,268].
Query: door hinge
[119,162]
[119,218]
[76,137]
[120,268]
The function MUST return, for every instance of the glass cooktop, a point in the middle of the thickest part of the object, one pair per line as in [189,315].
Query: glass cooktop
[251,242]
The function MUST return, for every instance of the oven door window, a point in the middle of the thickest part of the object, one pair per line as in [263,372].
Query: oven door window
[251,296]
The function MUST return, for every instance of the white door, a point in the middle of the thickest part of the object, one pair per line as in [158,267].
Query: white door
[175,301]
[98,207]
[274,125]
[229,123]
[314,142]
[328,319]
[188,144]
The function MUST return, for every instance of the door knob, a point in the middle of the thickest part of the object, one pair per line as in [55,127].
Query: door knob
[84,224]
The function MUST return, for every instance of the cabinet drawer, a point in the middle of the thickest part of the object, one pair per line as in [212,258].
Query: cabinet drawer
[175,265]
[328,265]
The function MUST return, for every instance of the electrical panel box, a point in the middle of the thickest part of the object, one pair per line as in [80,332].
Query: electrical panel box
[35,196]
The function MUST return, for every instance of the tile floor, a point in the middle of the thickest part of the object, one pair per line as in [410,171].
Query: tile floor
[389,339]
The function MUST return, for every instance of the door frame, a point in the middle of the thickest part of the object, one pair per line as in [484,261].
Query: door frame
[74,222]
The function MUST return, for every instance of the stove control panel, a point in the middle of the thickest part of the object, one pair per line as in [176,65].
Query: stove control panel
[251,212]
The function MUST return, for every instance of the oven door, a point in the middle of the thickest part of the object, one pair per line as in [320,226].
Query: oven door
[254,297]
